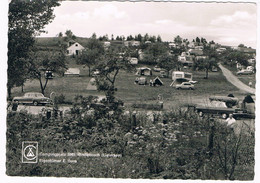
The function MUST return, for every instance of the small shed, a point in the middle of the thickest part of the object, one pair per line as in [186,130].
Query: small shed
[72,72]
[144,71]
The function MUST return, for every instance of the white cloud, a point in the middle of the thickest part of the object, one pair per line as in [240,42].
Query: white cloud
[166,21]
[109,11]
[238,18]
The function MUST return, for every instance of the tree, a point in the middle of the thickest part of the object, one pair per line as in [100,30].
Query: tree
[153,52]
[197,39]
[110,66]
[159,39]
[238,57]
[26,20]
[178,40]
[205,64]
[94,36]
[146,37]
[91,55]
[241,46]
[41,61]
[69,35]
[139,37]
[168,62]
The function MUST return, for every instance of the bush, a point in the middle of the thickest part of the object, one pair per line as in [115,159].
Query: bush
[157,106]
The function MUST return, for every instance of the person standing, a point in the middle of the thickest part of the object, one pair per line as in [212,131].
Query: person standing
[230,121]
[250,84]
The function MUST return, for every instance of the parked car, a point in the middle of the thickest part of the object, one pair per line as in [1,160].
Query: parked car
[49,75]
[157,68]
[245,72]
[32,98]
[95,72]
[185,85]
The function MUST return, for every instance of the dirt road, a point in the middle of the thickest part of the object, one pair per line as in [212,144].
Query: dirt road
[235,81]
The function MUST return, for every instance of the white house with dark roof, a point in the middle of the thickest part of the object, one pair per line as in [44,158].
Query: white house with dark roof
[75,49]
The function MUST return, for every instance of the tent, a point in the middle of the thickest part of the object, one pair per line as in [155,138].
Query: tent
[144,71]
[72,72]
[156,82]
[92,84]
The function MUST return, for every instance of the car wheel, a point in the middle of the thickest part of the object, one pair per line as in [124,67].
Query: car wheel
[35,103]
[224,115]
[190,88]
[200,113]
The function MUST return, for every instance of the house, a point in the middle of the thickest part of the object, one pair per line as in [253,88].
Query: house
[199,47]
[132,43]
[72,72]
[141,54]
[107,44]
[196,52]
[186,59]
[251,61]
[213,46]
[172,45]
[144,71]
[135,43]
[74,49]
[221,49]
[198,57]
[133,61]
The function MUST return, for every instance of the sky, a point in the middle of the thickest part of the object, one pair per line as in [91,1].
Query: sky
[225,23]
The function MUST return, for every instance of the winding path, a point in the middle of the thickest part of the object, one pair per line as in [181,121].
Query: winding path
[235,81]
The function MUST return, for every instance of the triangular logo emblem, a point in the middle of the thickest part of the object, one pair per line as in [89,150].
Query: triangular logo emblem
[30,153]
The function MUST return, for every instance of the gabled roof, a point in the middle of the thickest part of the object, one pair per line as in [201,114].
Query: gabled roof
[157,79]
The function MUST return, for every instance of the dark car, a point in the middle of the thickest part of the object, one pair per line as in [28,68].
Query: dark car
[32,98]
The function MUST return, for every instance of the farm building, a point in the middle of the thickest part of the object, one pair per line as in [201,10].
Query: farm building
[75,49]
[72,72]
[144,71]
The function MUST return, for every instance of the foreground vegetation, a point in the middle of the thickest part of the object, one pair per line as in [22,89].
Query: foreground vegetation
[173,145]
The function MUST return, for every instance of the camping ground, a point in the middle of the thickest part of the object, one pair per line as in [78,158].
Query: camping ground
[131,93]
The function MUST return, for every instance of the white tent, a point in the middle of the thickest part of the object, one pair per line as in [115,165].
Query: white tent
[72,72]
[92,84]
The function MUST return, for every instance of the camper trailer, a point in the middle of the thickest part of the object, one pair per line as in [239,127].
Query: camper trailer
[144,71]
[181,75]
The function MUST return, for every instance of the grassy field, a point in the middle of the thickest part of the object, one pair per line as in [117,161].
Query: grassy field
[131,93]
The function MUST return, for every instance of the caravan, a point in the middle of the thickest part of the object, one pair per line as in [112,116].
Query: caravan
[181,75]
